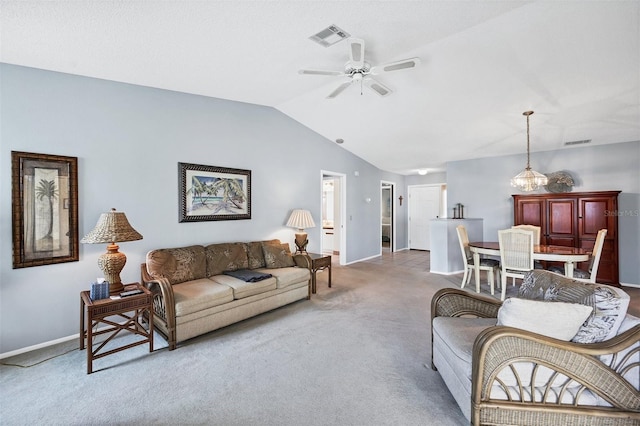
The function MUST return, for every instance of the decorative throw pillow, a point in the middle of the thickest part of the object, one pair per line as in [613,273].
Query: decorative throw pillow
[609,303]
[559,320]
[255,255]
[177,264]
[610,308]
[276,256]
[225,257]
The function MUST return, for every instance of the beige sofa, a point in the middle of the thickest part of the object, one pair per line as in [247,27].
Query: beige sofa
[507,375]
[198,289]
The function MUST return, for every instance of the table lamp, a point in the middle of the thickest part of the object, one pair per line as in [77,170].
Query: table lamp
[301,219]
[112,227]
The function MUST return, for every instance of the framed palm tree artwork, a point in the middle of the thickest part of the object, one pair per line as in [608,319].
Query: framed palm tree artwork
[44,209]
[213,193]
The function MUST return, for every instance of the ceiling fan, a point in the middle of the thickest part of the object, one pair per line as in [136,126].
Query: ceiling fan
[360,71]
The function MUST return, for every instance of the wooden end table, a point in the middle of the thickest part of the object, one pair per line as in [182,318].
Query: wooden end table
[318,263]
[131,309]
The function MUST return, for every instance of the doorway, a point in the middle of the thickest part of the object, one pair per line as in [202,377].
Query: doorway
[424,205]
[334,241]
[387,215]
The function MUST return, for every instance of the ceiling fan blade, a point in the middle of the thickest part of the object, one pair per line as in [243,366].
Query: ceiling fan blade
[395,66]
[320,72]
[339,90]
[356,52]
[377,87]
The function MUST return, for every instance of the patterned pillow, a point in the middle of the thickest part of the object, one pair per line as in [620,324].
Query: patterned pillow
[610,308]
[609,303]
[277,256]
[226,257]
[255,255]
[177,264]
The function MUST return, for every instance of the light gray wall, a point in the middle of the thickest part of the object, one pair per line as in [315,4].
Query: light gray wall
[482,185]
[128,140]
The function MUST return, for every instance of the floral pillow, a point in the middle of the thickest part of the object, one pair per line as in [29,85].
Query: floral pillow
[609,303]
[277,256]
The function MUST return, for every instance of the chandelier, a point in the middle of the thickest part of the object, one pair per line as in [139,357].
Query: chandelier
[528,180]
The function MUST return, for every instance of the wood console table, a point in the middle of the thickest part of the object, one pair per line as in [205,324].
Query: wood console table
[131,309]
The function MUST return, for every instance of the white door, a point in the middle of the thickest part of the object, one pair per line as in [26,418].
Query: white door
[424,205]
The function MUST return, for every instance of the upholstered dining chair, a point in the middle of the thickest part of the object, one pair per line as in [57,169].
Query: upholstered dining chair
[516,255]
[591,274]
[491,266]
[536,240]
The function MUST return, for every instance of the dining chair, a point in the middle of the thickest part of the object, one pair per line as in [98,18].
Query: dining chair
[491,266]
[536,240]
[534,228]
[516,255]
[590,274]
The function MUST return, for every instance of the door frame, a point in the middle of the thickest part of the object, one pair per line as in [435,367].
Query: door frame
[392,243]
[341,178]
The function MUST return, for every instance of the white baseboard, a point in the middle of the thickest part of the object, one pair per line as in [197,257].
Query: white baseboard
[447,273]
[40,346]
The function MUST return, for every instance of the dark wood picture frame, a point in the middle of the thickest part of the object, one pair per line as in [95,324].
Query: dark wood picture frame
[44,209]
[213,193]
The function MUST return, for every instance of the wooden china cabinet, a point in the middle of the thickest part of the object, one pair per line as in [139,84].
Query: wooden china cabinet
[574,219]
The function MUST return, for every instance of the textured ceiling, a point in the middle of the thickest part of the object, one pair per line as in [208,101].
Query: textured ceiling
[576,64]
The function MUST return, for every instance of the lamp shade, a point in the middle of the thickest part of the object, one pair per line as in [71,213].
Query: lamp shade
[301,219]
[112,227]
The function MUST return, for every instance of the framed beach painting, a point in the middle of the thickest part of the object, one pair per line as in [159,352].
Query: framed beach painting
[213,193]
[44,209]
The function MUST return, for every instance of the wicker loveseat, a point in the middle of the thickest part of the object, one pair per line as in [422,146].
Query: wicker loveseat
[198,289]
[493,370]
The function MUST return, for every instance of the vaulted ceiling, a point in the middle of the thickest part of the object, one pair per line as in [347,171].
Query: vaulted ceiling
[483,63]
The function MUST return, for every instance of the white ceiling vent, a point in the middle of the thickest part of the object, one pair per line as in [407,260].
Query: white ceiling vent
[330,36]
[577,142]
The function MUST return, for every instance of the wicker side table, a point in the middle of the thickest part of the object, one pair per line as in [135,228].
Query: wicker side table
[132,309]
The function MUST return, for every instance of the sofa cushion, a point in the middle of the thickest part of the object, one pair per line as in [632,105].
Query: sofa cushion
[242,289]
[255,255]
[225,257]
[177,264]
[287,276]
[456,337]
[559,320]
[609,303]
[277,256]
[196,295]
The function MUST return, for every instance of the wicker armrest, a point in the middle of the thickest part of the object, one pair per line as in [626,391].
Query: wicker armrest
[164,306]
[571,371]
[453,302]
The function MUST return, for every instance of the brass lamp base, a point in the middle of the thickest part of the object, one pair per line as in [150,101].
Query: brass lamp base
[301,242]
[111,263]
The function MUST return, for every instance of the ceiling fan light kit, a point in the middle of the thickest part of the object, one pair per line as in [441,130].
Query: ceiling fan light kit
[528,180]
[360,71]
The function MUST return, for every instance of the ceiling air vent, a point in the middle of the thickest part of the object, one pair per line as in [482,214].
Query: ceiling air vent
[577,142]
[330,36]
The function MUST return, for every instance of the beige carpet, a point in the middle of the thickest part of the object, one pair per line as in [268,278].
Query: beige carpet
[356,354]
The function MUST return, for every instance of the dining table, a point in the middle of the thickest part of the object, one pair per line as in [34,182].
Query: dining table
[553,253]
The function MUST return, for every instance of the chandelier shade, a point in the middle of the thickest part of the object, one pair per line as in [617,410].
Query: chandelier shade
[528,180]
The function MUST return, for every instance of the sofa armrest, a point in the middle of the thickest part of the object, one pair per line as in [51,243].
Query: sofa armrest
[164,306]
[562,376]
[302,261]
[453,302]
